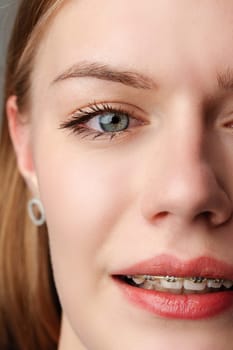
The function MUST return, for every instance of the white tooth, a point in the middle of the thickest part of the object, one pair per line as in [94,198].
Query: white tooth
[138,279]
[148,285]
[194,286]
[149,278]
[227,283]
[171,285]
[214,284]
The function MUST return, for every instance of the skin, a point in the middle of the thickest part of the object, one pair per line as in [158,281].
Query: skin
[112,204]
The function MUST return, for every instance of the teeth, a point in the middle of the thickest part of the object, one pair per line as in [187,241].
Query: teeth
[191,285]
[138,279]
[215,283]
[171,279]
[171,285]
[179,284]
[198,279]
[227,284]
[148,285]
[150,278]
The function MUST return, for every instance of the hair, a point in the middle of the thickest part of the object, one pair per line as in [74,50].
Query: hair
[30,312]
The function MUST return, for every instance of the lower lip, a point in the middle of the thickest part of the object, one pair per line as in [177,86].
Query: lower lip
[189,306]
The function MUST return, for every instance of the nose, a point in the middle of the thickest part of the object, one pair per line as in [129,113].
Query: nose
[182,183]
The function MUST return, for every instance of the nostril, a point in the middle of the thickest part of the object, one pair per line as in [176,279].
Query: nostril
[161,215]
[206,215]
[215,218]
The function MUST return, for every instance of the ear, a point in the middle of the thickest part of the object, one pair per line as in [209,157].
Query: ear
[20,133]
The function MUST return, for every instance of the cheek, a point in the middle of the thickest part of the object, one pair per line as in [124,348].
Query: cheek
[78,196]
[84,195]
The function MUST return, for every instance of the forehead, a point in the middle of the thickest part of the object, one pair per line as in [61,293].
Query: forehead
[168,39]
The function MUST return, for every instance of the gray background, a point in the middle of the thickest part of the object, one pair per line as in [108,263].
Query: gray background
[7,15]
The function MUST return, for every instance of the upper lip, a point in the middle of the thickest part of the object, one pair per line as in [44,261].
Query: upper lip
[167,265]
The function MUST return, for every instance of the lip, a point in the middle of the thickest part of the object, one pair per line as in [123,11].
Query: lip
[179,306]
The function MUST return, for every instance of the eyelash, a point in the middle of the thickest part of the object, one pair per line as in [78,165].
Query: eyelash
[82,116]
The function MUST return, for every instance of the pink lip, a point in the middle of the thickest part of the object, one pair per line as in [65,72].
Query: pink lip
[189,306]
[169,265]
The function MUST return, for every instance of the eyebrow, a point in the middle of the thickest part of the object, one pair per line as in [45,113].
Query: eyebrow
[225,79]
[101,71]
[86,69]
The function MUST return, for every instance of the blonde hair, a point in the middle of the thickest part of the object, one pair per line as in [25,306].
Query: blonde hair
[29,307]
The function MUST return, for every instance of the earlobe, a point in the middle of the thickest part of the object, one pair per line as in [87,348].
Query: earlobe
[20,132]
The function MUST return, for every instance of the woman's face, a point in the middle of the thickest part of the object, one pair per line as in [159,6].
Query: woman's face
[155,187]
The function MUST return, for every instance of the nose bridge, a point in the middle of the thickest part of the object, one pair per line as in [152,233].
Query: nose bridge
[184,183]
[184,153]
[185,159]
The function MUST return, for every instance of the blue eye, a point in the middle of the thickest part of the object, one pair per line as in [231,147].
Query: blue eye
[103,120]
[110,122]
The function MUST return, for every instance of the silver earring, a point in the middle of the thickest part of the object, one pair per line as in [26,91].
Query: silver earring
[36,203]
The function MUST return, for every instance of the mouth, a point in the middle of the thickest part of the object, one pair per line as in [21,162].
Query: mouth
[171,288]
[178,285]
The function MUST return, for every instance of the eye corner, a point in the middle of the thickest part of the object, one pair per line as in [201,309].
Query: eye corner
[227,124]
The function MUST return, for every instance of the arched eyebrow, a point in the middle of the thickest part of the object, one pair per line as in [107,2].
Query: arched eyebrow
[86,69]
[105,72]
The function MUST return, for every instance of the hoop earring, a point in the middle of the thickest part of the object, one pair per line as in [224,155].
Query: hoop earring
[35,220]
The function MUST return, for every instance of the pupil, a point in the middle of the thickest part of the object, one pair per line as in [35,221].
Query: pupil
[115,119]
[111,122]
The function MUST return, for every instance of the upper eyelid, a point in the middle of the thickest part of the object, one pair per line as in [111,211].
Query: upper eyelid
[117,105]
